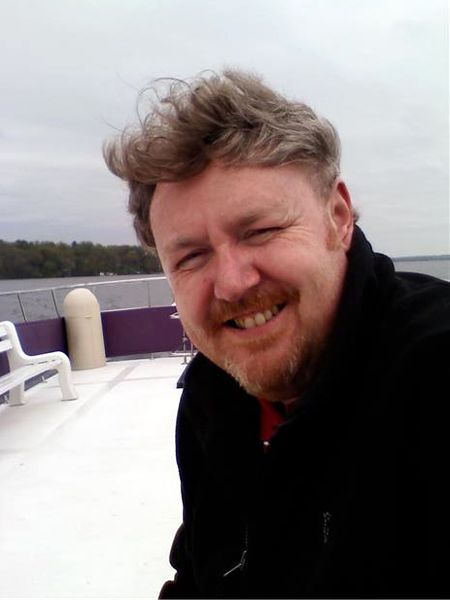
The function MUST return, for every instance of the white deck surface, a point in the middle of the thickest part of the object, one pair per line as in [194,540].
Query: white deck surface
[89,490]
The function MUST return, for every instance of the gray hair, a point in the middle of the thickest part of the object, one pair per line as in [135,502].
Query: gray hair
[230,118]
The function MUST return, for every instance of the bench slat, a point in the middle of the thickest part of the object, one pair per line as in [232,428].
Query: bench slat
[22,374]
[5,345]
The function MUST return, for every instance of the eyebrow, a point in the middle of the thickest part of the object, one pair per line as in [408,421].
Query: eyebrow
[277,211]
[182,243]
[248,219]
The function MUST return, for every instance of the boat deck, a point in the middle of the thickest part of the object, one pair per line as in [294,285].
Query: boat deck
[89,499]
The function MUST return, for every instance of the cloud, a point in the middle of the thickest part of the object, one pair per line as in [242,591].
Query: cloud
[378,70]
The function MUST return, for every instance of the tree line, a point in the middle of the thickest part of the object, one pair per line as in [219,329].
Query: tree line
[22,260]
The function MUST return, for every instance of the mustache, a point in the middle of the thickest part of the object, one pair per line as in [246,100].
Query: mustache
[257,300]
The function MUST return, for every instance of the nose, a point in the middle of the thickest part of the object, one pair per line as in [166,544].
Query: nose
[234,274]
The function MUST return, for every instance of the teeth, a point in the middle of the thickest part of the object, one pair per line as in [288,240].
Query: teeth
[249,322]
[258,318]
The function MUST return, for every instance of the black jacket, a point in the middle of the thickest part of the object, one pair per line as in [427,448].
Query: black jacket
[351,500]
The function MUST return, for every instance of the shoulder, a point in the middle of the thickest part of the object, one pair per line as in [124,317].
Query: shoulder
[211,398]
[419,308]
[414,342]
[410,341]
[204,383]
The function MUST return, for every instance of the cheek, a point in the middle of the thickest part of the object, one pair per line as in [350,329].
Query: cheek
[190,299]
[285,265]
[332,240]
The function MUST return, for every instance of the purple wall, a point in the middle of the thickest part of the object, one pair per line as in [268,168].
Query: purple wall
[37,337]
[141,331]
[126,332]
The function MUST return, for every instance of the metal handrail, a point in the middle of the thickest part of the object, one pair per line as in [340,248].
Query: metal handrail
[88,284]
[51,290]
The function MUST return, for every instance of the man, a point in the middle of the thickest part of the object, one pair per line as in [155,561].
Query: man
[312,430]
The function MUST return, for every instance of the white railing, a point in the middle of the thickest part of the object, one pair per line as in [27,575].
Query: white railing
[47,301]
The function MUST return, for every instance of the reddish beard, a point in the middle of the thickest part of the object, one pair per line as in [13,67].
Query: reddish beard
[242,362]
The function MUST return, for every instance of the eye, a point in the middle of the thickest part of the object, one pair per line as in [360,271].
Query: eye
[260,235]
[191,260]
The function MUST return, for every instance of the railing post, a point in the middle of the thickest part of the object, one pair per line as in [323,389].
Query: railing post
[21,306]
[149,297]
[54,302]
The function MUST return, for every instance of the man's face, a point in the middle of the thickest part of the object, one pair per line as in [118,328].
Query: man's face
[256,262]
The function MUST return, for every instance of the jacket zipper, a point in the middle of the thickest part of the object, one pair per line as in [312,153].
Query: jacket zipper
[241,564]
[243,560]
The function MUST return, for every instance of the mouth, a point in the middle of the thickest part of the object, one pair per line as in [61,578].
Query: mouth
[256,319]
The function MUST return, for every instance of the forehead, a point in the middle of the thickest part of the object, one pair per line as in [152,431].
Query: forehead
[226,195]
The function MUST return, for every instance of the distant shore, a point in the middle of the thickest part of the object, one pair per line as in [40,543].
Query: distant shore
[422,258]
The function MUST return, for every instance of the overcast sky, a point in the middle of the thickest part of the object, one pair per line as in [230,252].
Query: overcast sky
[70,71]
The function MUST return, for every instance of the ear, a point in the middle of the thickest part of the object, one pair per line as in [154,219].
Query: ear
[341,214]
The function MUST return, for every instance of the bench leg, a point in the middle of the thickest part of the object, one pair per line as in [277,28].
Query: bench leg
[17,395]
[65,381]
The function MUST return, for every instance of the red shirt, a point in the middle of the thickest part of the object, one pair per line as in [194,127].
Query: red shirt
[272,415]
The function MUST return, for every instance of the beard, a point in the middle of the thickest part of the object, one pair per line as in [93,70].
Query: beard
[276,380]
[276,366]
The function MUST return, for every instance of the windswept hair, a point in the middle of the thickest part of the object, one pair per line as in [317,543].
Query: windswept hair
[230,118]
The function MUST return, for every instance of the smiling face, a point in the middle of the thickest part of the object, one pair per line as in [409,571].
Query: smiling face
[256,262]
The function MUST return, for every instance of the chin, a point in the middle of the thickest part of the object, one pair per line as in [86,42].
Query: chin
[265,376]
[268,367]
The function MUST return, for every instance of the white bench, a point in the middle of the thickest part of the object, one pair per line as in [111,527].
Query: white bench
[23,367]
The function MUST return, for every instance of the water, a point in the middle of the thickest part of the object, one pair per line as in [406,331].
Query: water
[123,292]
[436,267]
